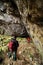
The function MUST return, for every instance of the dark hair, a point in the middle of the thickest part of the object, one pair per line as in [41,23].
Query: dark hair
[14,38]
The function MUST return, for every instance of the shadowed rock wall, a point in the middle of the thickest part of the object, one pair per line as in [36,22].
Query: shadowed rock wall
[15,15]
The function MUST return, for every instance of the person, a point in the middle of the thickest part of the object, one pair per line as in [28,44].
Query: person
[12,47]
[28,39]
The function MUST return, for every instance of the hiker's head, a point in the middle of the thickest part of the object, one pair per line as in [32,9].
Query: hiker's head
[14,38]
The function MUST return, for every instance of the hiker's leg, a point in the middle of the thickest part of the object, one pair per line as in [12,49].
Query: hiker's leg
[14,56]
[9,54]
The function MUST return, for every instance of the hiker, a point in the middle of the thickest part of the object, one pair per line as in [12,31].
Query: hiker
[28,39]
[12,47]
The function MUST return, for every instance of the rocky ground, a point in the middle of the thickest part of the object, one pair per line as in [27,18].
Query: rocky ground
[27,53]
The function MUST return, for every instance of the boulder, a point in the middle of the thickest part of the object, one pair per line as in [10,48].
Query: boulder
[10,25]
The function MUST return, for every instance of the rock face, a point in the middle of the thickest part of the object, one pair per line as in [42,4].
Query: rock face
[16,14]
[10,24]
[30,9]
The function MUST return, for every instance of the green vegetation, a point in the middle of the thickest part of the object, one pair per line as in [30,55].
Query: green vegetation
[3,42]
[27,51]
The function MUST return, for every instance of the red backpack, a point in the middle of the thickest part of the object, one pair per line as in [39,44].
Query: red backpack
[10,45]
